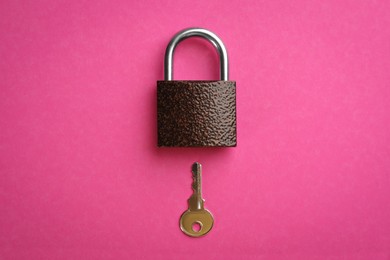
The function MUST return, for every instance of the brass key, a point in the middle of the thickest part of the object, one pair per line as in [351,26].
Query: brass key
[196,221]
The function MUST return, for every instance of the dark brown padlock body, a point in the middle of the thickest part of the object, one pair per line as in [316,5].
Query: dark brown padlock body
[196,113]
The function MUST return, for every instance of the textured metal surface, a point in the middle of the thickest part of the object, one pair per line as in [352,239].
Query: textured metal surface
[196,113]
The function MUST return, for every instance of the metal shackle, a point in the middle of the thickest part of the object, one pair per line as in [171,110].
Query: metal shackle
[196,32]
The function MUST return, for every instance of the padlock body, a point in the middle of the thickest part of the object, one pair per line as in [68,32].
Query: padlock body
[196,113]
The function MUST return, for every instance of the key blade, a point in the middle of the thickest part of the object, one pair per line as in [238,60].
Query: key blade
[196,167]
[196,201]
[197,175]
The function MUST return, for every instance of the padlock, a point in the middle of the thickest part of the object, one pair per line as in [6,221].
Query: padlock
[196,113]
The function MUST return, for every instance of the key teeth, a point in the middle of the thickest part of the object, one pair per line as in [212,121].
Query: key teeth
[194,186]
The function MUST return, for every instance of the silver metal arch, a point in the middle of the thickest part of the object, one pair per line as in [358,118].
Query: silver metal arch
[196,32]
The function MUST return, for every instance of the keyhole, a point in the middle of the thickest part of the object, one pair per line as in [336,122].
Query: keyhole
[196,226]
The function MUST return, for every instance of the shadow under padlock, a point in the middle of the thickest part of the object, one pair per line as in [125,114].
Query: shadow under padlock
[196,113]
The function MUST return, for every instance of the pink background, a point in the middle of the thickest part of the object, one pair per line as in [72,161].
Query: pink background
[82,178]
